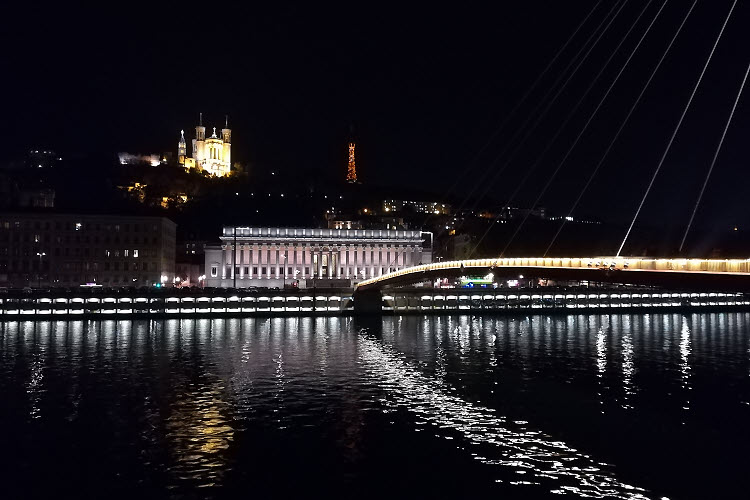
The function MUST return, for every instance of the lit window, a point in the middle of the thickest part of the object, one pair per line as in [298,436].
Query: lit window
[78,226]
[125,253]
[214,271]
[135,253]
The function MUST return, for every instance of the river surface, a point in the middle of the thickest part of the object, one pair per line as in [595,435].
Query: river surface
[600,406]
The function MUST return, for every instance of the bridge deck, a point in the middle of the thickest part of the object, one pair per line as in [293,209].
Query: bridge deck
[728,274]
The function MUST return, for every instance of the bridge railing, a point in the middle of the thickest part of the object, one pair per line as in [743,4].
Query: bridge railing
[739,266]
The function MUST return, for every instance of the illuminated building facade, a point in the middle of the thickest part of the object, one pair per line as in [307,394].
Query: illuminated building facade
[323,257]
[133,159]
[423,207]
[212,155]
[52,250]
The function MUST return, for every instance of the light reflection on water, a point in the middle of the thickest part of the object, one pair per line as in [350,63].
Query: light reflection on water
[528,452]
[169,406]
[685,361]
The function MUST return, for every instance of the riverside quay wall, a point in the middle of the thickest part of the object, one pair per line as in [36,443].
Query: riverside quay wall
[18,304]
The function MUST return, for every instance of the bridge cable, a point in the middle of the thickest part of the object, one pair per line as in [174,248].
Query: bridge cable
[713,162]
[520,103]
[552,141]
[677,128]
[540,117]
[523,126]
[588,122]
[561,127]
[622,126]
[523,99]
[568,117]
[530,115]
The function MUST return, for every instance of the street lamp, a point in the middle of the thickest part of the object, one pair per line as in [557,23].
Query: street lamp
[39,271]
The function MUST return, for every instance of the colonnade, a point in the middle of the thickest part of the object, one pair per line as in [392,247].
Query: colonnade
[313,261]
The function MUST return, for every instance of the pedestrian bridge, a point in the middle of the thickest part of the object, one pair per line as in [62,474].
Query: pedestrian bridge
[731,275]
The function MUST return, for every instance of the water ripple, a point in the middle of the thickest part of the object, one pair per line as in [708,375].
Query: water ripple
[517,448]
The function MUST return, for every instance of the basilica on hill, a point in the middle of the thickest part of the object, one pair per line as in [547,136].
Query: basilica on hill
[212,155]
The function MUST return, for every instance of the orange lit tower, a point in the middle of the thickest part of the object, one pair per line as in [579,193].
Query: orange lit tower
[351,169]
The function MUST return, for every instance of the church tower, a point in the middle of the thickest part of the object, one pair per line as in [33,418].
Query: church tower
[226,136]
[199,143]
[181,148]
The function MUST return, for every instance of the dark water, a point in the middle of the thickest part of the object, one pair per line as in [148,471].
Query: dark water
[622,406]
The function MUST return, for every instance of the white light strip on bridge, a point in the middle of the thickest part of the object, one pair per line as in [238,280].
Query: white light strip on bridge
[710,266]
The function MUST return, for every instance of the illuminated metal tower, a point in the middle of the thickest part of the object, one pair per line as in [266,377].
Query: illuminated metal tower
[351,170]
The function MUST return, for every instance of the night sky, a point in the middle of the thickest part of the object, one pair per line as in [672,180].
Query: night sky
[424,88]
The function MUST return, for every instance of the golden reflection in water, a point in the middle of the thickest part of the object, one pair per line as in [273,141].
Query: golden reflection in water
[199,434]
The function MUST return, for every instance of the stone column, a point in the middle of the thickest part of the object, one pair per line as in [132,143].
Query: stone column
[355,260]
[223,264]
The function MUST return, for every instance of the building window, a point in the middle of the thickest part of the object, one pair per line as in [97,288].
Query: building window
[247,270]
[135,253]
[289,271]
[255,271]
[125,253]
[145,266]
[236,269]
[263,270]
[214,271]
[307,271]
